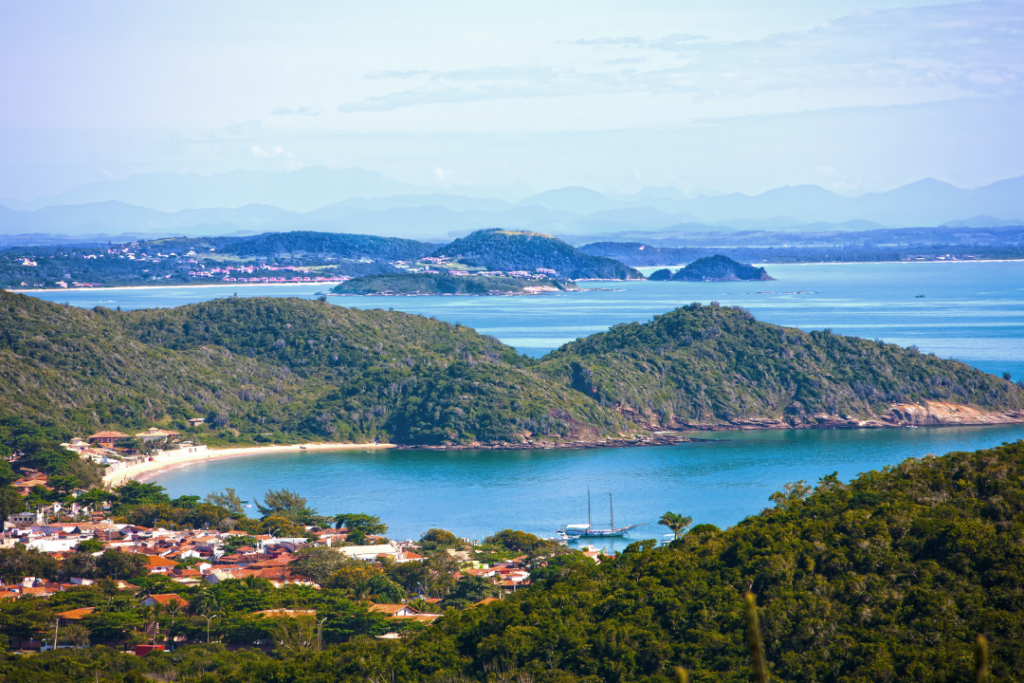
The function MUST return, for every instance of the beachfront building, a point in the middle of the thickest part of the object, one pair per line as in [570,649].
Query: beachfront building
[107,438]
[155,434]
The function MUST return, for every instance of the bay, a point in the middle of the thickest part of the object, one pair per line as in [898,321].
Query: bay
[476,493]
[971,311]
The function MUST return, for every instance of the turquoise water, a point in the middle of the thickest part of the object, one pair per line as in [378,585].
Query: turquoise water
[475,493]
[970,311]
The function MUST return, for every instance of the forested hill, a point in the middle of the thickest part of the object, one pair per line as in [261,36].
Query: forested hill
[297,243]
[278,370]
[519,250]
[334,244]
[888,578]
[711,365]
[719,268]
[443,283]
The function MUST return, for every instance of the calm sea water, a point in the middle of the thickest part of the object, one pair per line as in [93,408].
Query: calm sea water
[970,311]
[475,493]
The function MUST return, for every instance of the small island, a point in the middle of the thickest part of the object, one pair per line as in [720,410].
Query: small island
[435,284]
[715,268]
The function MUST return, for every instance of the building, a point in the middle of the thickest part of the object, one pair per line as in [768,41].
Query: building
[107,438]
[154,434]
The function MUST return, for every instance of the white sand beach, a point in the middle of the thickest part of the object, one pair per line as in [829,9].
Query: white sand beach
[147,470]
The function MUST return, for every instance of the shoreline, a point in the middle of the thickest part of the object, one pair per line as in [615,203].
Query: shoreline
[310,284]
[682,434]
[147,470]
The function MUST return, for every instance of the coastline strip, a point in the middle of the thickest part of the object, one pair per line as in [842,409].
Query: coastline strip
[146,470]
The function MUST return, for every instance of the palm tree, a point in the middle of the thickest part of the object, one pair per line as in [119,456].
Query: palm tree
[676,522]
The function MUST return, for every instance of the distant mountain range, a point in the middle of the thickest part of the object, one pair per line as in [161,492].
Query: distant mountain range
[359,201]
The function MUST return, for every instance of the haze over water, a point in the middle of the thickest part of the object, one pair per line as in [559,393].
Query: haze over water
[970,311]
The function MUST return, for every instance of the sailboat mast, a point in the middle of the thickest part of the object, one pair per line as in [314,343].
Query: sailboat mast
[590,523]
[611,509]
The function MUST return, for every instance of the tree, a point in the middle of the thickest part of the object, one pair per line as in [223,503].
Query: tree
[676,522]
[791,493]
[518,541]
[10,503]
[18,562]
[439,539]
[352,574]
[229,500]
[358,522]
[114,564]
[281,527]
[470,590]
[288,504]
[137,493]
[317,563]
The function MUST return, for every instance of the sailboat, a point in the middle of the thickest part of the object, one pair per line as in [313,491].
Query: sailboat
[575,531]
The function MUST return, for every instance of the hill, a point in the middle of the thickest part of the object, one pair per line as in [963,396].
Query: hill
[304,242]
[709,366]
[433,284]
[508,250]
[719,268]
[278,370]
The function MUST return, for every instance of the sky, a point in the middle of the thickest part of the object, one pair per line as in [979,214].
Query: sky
[729,95]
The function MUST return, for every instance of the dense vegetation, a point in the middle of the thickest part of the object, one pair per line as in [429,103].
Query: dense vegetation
[277,370]
[507,250]
[719,268]
[441,283]
[887,578]
[712,364]
[303,242]
[284,370]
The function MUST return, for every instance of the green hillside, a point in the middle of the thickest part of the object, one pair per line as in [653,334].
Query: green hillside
[429,283]
[341,245]
[507,250]
[719,268]
[281,370]
[711,365]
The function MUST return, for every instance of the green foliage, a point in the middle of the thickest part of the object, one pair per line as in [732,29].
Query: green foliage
[318,563]
[362,523]
[341,245]
[717,268]
[434,540]
[701,365]
[287,504]
[229,500]
[441,283]
[17,562]
[302,371]
[519,541]
[676,522]
[506,250]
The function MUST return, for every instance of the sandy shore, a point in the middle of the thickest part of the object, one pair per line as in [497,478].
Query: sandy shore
[144,471]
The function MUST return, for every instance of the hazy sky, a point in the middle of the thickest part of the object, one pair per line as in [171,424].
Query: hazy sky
[745,95]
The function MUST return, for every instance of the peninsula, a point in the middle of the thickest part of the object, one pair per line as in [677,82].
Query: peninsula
[426,284]
[251,371]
